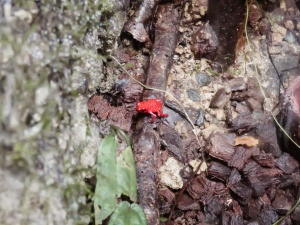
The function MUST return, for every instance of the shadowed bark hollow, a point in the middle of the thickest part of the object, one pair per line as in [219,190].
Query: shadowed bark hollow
[289,120]
[217,40]
[226,18]
[146,139]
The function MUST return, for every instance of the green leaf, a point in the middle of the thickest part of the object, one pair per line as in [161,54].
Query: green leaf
[163,219]
[105,198]
[126,174]
[127,214]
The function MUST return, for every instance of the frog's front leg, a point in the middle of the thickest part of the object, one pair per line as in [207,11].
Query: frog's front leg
[153,117]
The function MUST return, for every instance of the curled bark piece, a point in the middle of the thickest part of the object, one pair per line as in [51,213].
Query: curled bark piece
[218,171]
[221,146]
[166,37]
[146,140]
[136,25]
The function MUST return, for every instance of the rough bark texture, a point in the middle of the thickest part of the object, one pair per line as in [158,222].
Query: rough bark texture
[136,26]
[166,37]
[146,139]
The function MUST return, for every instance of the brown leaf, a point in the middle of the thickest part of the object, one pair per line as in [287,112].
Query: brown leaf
[246,140]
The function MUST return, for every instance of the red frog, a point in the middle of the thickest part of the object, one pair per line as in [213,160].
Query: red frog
[151,106]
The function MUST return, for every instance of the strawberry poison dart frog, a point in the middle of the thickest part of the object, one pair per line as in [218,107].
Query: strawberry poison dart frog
[151,106]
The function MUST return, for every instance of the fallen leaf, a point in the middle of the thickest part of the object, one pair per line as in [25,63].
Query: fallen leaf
[246,140]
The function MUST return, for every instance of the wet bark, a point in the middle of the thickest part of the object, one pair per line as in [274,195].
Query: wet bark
[146,139]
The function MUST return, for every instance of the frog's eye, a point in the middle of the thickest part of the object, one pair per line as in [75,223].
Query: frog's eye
[139,107]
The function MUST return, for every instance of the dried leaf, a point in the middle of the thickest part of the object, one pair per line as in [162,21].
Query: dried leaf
[246,140]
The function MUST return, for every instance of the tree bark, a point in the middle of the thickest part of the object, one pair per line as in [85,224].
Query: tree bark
[146,139]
